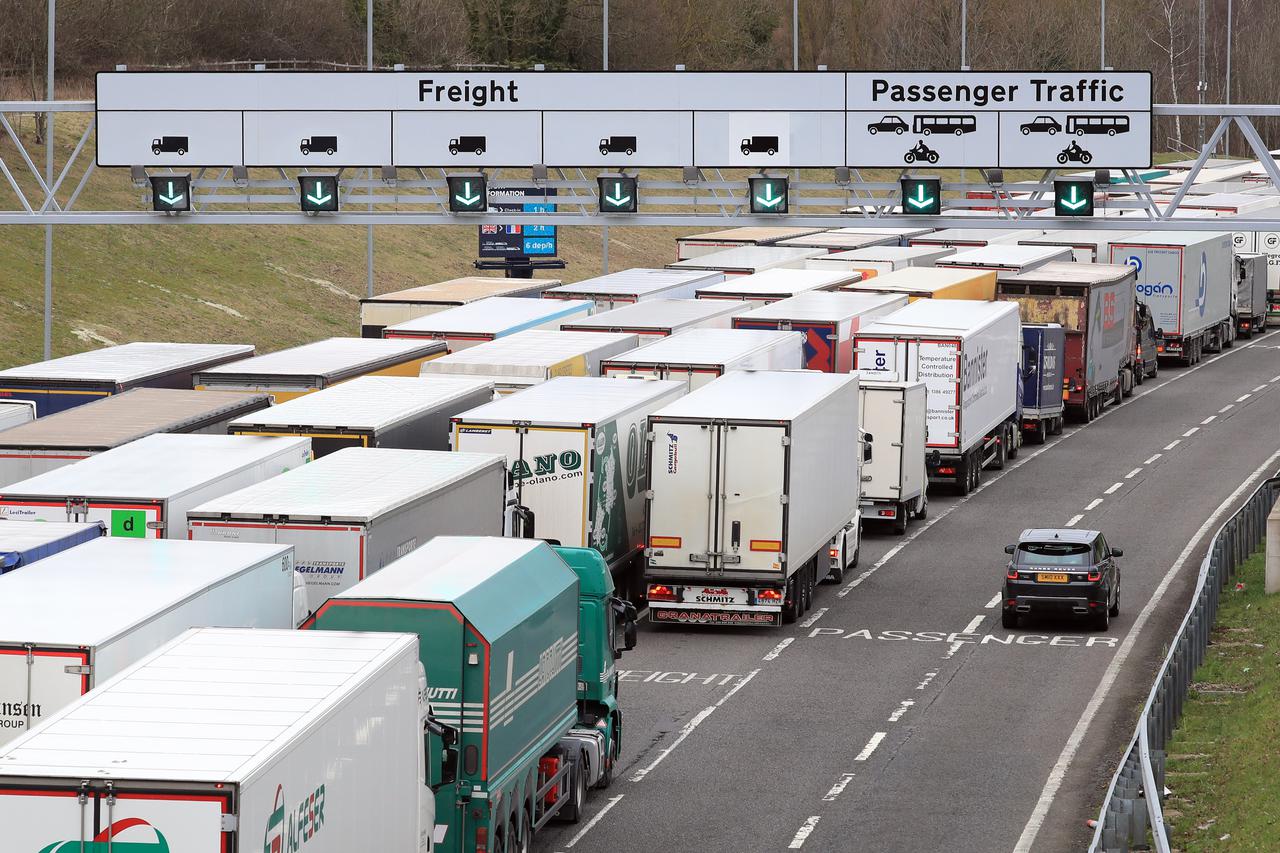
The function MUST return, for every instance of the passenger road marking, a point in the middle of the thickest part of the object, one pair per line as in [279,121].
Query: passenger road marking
[1115,487]
[817,614]
[975,622]
[689,727]
[838,788]
[805,830]
[870,747]
[778,649]
[613,801]
[1076,641]
[1093,504]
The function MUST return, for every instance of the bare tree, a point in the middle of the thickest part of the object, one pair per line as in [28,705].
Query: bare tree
[1173,47]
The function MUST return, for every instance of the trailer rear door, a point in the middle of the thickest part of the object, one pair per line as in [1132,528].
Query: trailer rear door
[36,681]
[140,520]
[752,496]
[52,816]
[882,416]
[683,474]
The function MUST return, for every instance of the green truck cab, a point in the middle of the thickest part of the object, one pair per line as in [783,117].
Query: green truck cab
[519,641]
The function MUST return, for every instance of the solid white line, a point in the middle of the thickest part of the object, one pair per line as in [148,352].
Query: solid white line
[1093,504]
[1059,771]
[1132,474]
[613,801]
[975,622]
[803,832]
[691,725]
[778,649]
[1074,520]
[838,788]
[1208,420]
[1171,445]
[1191,432]
[1228,407]
[1243,397]
[870,747]
[817,614]
[1153,458]
[995,599]
[1115,487]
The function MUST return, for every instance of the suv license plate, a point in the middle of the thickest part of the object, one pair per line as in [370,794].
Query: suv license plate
[1052,577]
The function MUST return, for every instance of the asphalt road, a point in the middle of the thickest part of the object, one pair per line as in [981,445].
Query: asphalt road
[899,715]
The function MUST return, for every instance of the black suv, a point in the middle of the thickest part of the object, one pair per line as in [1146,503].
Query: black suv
[1063,570]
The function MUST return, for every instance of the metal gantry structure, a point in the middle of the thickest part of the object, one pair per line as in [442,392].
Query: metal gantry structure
[694,197]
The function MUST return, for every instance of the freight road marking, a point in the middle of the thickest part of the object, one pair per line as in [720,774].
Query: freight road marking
[817,614]
[1191,432]
[1228,407]
[1093,504]
[1074,520]
[838,788]
[1059,771]
[1153,458]
[1132,474]
[1171,445]
[1115,487]
[903,707]
[975,622]
[1071,641]
[653,676]
[778,649]
[805,830]
[995,599]
[689,727]
[870,747]
[1208,420]
[928,676]
[613,801]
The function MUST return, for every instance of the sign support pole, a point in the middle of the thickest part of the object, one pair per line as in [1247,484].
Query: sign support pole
[368,48]
[48,166]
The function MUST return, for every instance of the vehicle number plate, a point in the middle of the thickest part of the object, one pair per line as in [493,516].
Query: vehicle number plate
[714,595]
[1052,577]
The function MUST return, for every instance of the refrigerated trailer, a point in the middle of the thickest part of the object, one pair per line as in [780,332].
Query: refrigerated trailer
[144,489]
[24,542]
[1006,259]
[490,319]
[528,358]
[233,740]
[894,481]
[405,412]
[827,321]
[71,435]
[772,285]
[754,497]
[1250,298]
[699,356]
[879,260]
[840,241]
[574,448]
[1044,348]
[1185,278]
[698,245]
[88,613]
[300,370]
[969,356]
[636,285]
[81,378]
[962,238]
[353,512]
[387,309]
[660,318]
[931,283]
[1094,304]
[16,413]
[1088,247]
[746,260]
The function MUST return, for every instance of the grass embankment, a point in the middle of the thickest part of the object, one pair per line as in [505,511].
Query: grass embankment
[1224,760]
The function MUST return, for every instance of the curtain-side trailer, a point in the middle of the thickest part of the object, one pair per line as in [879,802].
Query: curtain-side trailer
[660,318]
[827,321]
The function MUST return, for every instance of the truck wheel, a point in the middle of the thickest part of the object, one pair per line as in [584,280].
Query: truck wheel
[1127,381]
[1117,396]
[1002,448]
[526,833]
[572,810]
[977,472]
[1041,433]
[964,479]
[791,604]
[900,523]
[922,507]
[835,574]
[1058,424]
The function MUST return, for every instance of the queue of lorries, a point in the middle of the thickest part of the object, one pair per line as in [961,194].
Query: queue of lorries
[445,525]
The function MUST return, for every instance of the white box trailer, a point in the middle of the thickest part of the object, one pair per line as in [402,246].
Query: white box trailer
[636,285]
[753,497]
[71,435]
[528,358]
[968,354]
[877,260]
[697,245]
[1185,278]
[699,356]
[1088,247]
[489,319]
[772,285]
[746,260]
[574,447]
[894,481]
[89,613]
[24,542]
[16,413]
[354,511]
[827,321]
[973,238]
[144,489]
[1007,259]
[903,235]
[1250,299]
[371,411]
[233,740]
[931,283]
[387,309]
[660,318]
[843,240]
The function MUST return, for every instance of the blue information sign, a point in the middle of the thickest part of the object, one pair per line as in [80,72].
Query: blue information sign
[512,241]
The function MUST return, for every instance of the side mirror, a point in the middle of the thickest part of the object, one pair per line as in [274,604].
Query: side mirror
[1009,549]
[449,767]
[522,522]
[630,631]
[1117,552]
[867,440]
[624,622]
[449,757]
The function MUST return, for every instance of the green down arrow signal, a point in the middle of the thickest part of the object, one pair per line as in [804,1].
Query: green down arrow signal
[1075,202]
[468,199]
[172,199]
[318,195]
[919,201]
[617,199]
[769,200]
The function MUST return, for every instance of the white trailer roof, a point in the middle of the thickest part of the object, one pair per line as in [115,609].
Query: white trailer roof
[1076,238]
[157,466]
[836,240]
[206,698]
[497,315]
[1171,238]
[466,289]
[366,402]
[752,234]
[973,235]
[127,362]
[1002,255]
[821,305]
[529,353]
[888,253]
[97,591]
[18,535]
[442,568]
[878,229]
[325,358]
[1064,272]
[940,317]
[769,395]
[1240,202]
[706,346]
[637,282]
[658,314]
[779,282]
[356,484]
[746,257]
[920,279]
[573,400]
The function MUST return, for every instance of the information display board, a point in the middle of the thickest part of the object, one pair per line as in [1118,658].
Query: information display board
[516,241]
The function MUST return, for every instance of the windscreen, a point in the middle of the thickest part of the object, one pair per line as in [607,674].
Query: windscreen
[1053,554]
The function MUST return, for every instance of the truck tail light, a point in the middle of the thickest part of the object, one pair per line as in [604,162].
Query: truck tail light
[888,513]
[482,839]
[1245,324]
[1139,350]
[661,592]
[1159,349]
[947,471]
[769,596]
[833,552]
[1094,576]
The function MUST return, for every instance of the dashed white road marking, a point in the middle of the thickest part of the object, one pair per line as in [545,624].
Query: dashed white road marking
[805,830]
[903,707]
[1228,407]
[1243,397]
[952,649]
[995,599]
[689,727]
[1208,420]
[1093,504]
[613,801]
[838,788]
[1075,519]
[1059,771]
[1259,388]
[1115,487]
[1274,379]
[928,676]
[817,614]
[778,649]
[870,747]
[1171,445]
[1132,474]
[1153,458]
[1191,432]
[975,622]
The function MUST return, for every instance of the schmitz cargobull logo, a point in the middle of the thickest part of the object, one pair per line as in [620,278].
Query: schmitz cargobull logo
[131,835]
[287,831]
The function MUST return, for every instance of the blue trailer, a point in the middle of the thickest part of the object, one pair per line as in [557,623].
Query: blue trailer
[1043,351]
[24,542]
